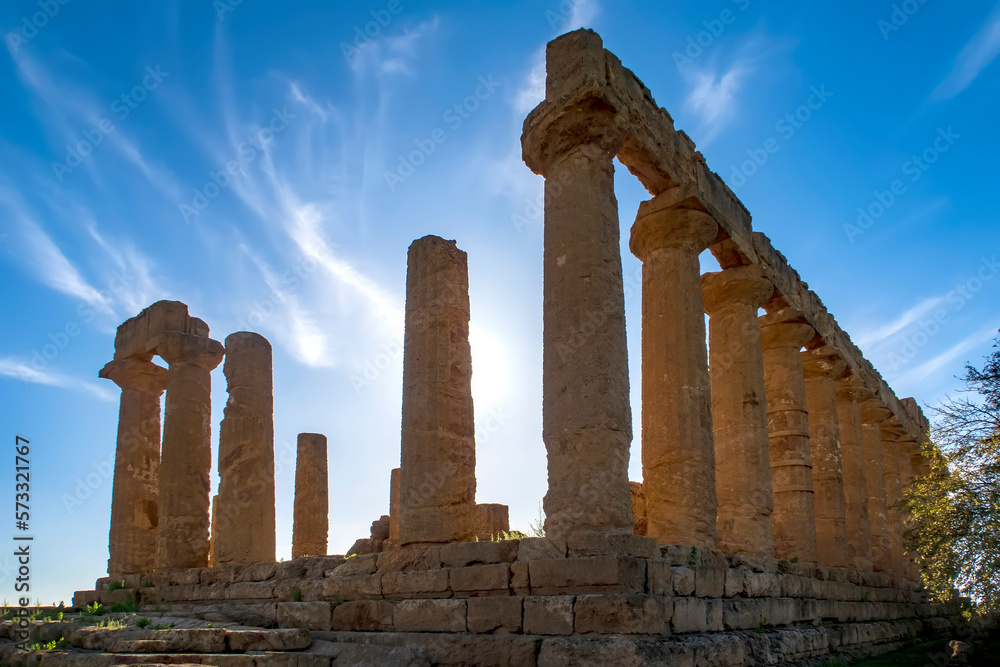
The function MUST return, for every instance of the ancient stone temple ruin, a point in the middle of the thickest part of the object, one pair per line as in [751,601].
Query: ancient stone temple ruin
[765,529]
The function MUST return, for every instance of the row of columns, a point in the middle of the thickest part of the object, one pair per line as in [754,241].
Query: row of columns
[764,448]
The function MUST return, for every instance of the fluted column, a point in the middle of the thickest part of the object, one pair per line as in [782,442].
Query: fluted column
[311,512]
[794,518]
[822,366]
[245,524]
[137,465]
[891,430]
[850,392]
[678,451]
[739,409]
[586,415]
[907,446]
[873,413]
[186,459]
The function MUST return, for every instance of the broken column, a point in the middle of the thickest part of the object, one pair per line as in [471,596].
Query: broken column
[492,521]
[137,463]
[678,451]
[873,413]
[438,479]
[394,504]
[586,416]
[739,409]
[794,522]
[822,366]
[311,516]
[186,459]
[850,393]
[245,525]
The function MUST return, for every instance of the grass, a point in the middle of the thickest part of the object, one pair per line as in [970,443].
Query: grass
[112,624]
[297,594]
[128,606]
[96,609]
[116,585]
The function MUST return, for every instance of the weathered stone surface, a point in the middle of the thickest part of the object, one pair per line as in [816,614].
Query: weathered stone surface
[893,494]
[873,413]
[412,558]
[186,456]
[739,409]
[639,508]
[495,614]
[550,615]
[822,367]
[690,615]
[850,393]
[622,614]
[311,521]
[359,587]
[438,479]
[244,526]
[587,575]
[363,616]
[623,545]
[419,584]
[480,580]
[793,520]
[430,616]
[460,554]
[137,465]
[541,548]
[309,615]
[492,521]
[291,639]
[394,498]
[364,564]
[678,454]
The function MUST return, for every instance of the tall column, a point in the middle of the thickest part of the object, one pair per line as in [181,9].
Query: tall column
[850,392]
[873,413]
[186,459]
[907,446]
[794,519]
[394,492]
[739,409]
[438,482]
[891,430]
[246,530]
[678,451]
[821,367]
[137,464]
[586,415]
[311,514]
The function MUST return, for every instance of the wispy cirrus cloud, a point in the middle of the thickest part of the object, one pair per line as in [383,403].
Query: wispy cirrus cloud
[975,57]
[712,98]
[15,368]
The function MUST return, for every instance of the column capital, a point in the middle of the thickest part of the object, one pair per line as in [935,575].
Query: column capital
[824,362]
[785,334]
[663,222]
[556,134]
[874,411]
[176,347]
[851,388]
[892,428]
[136,374]
[744,285]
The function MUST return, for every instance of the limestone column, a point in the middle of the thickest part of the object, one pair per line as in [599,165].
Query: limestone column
[213,528]
[850,393]
[794,518]
[246,530]
[186,459]
[822,366]
[311,515]
[137,464]
[873,413]
[394,492]
[438,479]
[891,430]
[739,409]
[907,446]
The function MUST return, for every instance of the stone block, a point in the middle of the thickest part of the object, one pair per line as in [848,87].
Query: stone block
[220,574]
[361,587]
[290,569]
[430,616]
[761,584]
[519,581]
[622,545]
[308,615]
[541,548]
[780,611]
[548,615]
[363,616]
[734,582]
[710,581]
[318,566]
[495,614]
[807,611]
[601,574]
[690,615]
[743,614]
[184,577]
[791,585]
[659,578]
[410,559]
[83,598]
[415,584]
[622,614]
[480,579]
[460,554]
[684,580]
[714,615]
[251,590]
[355,566]
[294,639]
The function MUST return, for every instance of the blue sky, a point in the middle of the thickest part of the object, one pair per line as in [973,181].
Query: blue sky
[861,138]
